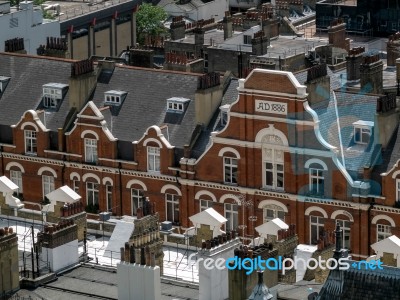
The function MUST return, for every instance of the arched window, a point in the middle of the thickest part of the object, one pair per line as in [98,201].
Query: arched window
[317,224]
[383,231]
[232,215]
[30,141]
[172,208]
[153,159]
[316,170]
[136,200]
[16,171]
[271,211]
[90,140]
[273,162]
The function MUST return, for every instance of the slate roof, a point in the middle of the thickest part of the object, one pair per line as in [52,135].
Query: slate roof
[24,91]
[351,107]
[146,102]
[390,156]
[362,284]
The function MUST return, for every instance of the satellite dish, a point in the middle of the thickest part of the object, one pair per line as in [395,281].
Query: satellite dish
[312,296]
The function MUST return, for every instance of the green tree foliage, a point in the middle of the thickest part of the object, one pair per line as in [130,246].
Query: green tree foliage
[150,20]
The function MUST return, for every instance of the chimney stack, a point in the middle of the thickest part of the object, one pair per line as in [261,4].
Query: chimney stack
[371,70]
[199,34]
[393,48]
[227,23]
[353,63]
[177,28]
[337,35]
[259,43]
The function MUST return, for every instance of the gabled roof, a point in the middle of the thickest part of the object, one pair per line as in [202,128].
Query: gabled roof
[208,217]
[388,245]
[64,194]
[25,89]
[7,186]
[271,227]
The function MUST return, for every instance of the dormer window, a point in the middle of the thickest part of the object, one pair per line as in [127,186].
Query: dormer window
[52,94]
[114,97]
[362,131]
[3,82]
[176,104]
[224,113]
[247,39]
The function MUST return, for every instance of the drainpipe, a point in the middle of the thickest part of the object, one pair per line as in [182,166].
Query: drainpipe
[371,206]
[2,159]
[120,187]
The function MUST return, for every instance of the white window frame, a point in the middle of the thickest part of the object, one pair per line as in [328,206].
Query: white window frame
[172,208]
[75,185]
[230,170]
[383,231]
[112,99]
[30,137]
[204,204]
[153,159]
[319,223]
[109,196]
[346,232]
[16,177]
[136,200]
[47,184]
[274,166]
[51,97]
[91,150]
[359,132]
[398,189]
[315,176]
[272,211]
[92,192]
[231,212]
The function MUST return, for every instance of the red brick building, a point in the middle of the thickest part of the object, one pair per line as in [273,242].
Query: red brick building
[285,145]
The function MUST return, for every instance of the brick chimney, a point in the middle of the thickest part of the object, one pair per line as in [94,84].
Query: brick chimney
[227,23]
[393,48]
[199,34]
[81,83]
[353,63]
[318,84]
[143,58]
[371,70]
[259,43]
[15,45]
[55,47]
[60,245]
[177,28]
[207,98]
[337,35]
